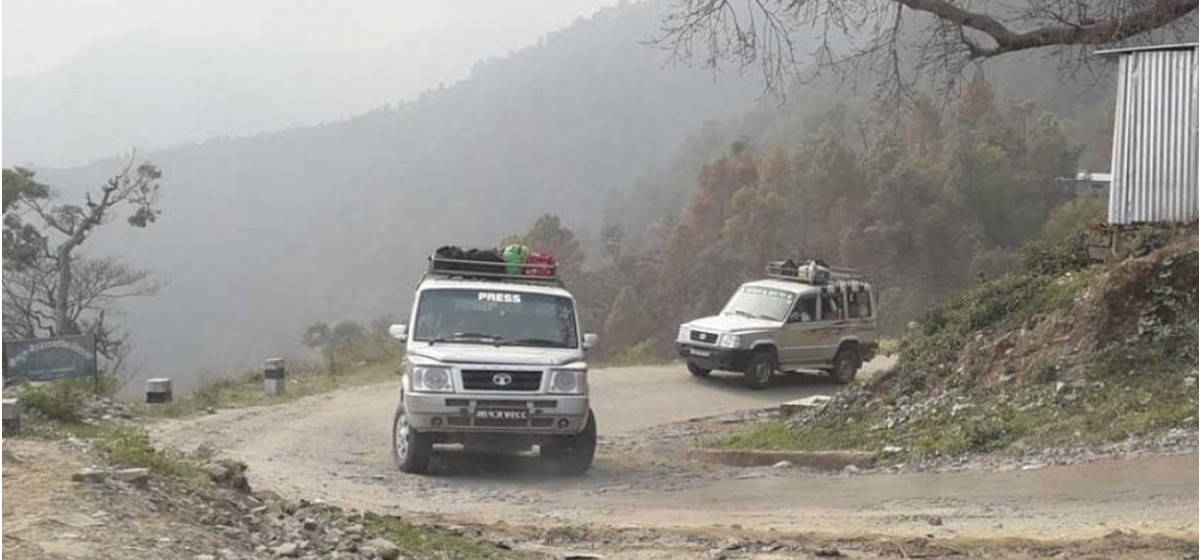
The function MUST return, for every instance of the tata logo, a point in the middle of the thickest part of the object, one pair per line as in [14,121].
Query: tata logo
[502,379]
[499,297]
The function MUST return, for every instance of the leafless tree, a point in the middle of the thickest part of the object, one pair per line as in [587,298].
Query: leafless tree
[52,289]
[951,34]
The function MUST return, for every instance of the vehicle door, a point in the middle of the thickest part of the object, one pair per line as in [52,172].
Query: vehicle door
[860,312]
[796,347]
[831,324]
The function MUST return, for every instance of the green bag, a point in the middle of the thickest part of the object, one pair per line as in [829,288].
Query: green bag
[515,256]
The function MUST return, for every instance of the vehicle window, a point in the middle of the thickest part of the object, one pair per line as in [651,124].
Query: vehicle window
[831,306]
[858,304]
[520,319]
[759,303]
[805,310]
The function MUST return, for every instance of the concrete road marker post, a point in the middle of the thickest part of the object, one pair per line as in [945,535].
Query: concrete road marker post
[12,417]
[274,378]
[158,390]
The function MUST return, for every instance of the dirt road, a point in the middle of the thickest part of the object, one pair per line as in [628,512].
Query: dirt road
[336,447]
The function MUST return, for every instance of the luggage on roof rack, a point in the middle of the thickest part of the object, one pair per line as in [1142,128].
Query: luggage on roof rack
[489,264]
[811,271]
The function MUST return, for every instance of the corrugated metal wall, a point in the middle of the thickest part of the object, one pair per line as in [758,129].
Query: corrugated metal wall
[1155,138]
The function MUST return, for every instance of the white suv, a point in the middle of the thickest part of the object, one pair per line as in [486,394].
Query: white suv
[789,321]
[494,361]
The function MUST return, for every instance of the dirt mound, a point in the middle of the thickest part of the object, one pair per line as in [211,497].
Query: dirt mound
[1108,305]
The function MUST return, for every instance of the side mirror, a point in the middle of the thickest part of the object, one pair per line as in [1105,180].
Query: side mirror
[590,340]
[398,332]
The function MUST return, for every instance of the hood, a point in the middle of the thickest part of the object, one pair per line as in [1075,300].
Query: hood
[731,324]
[456,353]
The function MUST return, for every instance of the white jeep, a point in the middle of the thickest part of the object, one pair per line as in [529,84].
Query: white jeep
[495,362]
[790,321]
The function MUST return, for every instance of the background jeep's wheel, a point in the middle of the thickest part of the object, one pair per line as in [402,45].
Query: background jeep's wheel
[410,449]
[846,364]
[697,370]
[759,370]
[572,454]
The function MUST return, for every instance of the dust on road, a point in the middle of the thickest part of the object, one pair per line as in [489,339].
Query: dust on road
[336,447]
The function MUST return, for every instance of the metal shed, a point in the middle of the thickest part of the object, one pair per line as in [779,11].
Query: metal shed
[1154,161]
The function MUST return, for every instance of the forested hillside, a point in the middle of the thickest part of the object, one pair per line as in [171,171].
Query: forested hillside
[926,200]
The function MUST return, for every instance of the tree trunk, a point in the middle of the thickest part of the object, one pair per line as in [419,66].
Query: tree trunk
[62,321]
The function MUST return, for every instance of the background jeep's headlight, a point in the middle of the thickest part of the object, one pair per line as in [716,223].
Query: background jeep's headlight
[431,378]
[684,332]
[568,381]
[730,341]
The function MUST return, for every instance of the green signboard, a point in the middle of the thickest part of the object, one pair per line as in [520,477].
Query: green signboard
[49,359]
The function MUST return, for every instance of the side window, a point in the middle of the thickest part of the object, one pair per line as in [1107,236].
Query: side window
[831,306]
[858,304]
[805,310]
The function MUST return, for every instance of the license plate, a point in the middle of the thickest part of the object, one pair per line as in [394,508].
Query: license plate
[701,353]
[486,414]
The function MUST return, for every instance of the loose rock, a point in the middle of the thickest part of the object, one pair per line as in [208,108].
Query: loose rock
[90,475]
[385,549]
[287,550]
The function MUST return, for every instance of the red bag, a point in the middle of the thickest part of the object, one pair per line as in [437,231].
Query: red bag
[540,259]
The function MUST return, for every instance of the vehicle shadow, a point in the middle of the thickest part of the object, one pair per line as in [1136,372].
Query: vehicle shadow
[783,387]
[451,462]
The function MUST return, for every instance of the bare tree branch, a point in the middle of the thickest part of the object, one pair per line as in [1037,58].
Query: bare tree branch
[851,34]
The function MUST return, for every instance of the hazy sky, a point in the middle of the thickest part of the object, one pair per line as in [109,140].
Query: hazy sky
[40,34]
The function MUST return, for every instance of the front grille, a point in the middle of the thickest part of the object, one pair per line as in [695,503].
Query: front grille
[485,380]
[541,403]
[501,422]
[700,336]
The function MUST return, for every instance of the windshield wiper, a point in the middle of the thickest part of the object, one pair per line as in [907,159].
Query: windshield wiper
[545,342]
[466,337]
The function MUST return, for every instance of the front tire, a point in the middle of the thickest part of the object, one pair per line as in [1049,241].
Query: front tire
[697,370]
[572,455]
[846,365]
[759,370]
[410,448]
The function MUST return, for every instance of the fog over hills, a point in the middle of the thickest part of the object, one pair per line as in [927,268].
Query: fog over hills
[262,235]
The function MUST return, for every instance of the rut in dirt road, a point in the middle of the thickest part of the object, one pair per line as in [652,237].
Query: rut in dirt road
[335,447]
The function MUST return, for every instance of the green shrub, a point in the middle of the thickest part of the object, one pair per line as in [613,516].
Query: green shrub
[61,401]
[1054,257]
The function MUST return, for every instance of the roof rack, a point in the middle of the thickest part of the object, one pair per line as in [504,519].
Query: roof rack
[810,271]
[492,271]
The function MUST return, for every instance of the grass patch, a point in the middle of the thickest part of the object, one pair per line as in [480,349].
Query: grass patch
[422,542]
[123,445]
[247,389]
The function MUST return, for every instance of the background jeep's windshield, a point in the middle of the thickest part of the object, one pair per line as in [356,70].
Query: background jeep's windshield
[760,303]
[491,316]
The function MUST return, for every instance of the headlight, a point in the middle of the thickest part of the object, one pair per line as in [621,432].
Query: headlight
[433,379]
[730,341]
[568,381]
[684,332]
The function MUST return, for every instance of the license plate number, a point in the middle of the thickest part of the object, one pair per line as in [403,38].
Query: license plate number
[701,353]
[502,414]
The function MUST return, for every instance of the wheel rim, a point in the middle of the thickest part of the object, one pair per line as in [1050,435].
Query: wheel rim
[762,372]
[401,436]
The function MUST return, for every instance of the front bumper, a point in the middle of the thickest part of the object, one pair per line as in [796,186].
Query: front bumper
[707,357]
[482,412]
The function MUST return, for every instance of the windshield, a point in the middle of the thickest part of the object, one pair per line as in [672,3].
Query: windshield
[760,303]
[496,317]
